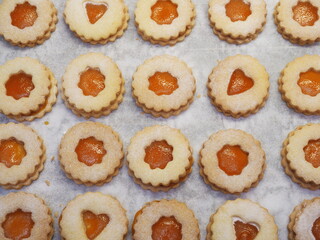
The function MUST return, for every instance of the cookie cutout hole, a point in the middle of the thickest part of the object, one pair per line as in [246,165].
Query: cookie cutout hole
[316,229]
[238,10]
[239,83]
[12,152]
[245,231]
[95,11]
[312,152]
[19,85]
[91,82]
[24,15]
[18,225]
[309,82]
[163,83]
[305,14]
[158,154]
[232,159]
[164,12]
[94,224]
[90,151]
[167,228]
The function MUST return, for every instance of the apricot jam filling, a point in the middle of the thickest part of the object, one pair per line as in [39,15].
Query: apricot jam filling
[18,225]
[167,228]
[239,83]
[232,159]
[24,15]
[94,224]
[245,231]
[19,85]
[163,83]
[95,11]
[238,10]
[309,82]
[91,82]
[11,152]
[316,229]
[312,152]
[164,12]
[90,151]
[158,154]
[305,14]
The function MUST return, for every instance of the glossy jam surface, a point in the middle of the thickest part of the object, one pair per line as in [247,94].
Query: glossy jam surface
[91,82]
[158,154]
[90,151]
[312,152]
[232,159]
[305,13]
[11,152]
[24,15]
[95,11]
[94,223]
[316,229]
[309,82]
[167,228]
[18,225]
[239,83]
[238,10]
[164,12]
[245,231]
[19,85]
[163,83]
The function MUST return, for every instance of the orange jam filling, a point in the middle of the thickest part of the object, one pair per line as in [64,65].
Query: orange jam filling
[90,151]
[158,154]
[18,225]
[95,11]
[312,152]
[232,159]
[11,152]
[167,228]
[309,82]
[305,13]
[164,12]
[245,231]
[19,85]
[94,223]
[239,83]
[316,229]
[163,83]
[238,10]
[91,82]
[24,15]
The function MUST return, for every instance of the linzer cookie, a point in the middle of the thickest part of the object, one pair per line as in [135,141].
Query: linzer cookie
[163,86]
[232,161]
[301,156]
[97,22]
[299,84]
[298,21]
[93,216]
[28,89]
[165,219]
[305,221]
[242,219]
[237,21]
[26,23]
[22,155]
[92,85]
[24,216]
[159,158]
[238,86]
[91,153]
[164,22]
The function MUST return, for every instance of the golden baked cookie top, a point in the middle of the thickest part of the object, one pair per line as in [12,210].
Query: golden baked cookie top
[93,216]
